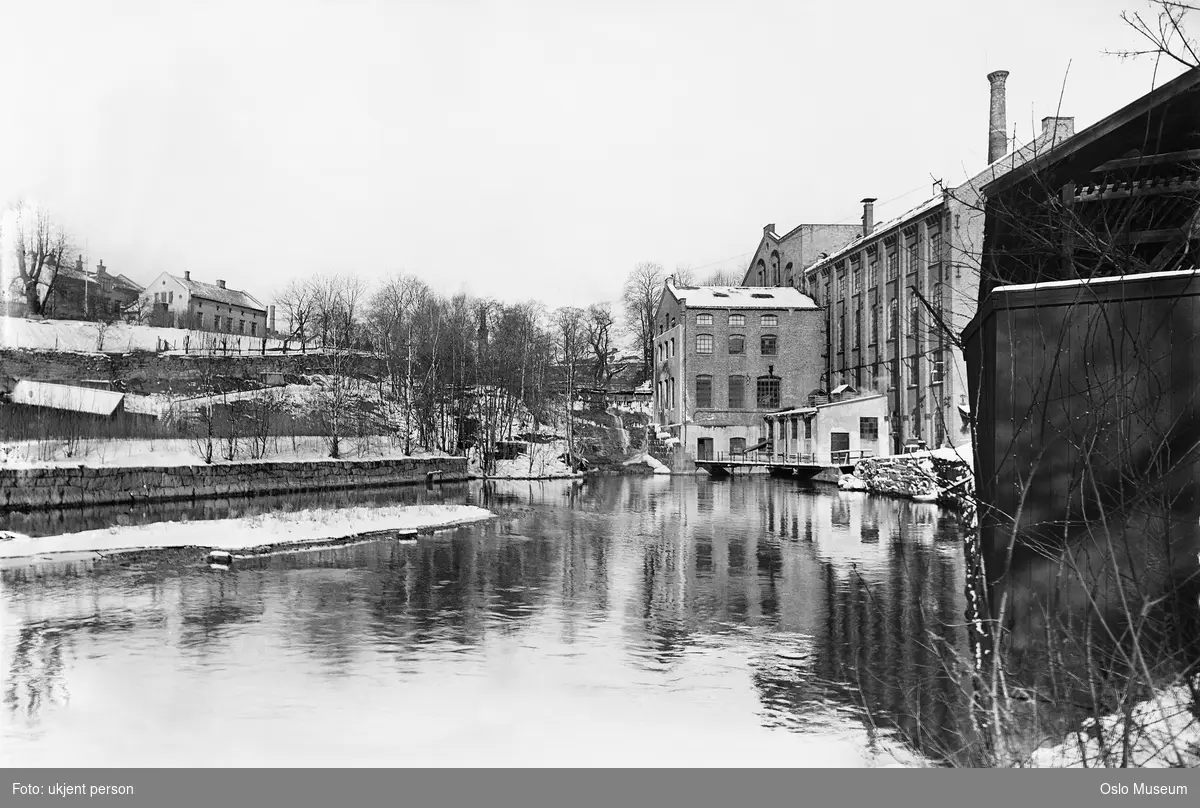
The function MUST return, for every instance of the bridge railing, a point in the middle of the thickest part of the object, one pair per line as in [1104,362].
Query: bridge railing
[842,458]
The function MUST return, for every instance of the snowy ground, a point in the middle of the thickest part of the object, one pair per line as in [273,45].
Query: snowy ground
[544,460]
[650,461]
[282,528]
[1166,735]
[84,337]
[185,452]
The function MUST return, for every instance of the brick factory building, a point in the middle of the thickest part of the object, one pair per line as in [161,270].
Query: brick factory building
[723,356]
[897,295]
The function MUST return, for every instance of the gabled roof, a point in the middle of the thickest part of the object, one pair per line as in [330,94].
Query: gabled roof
[1130,112]
[741,297]
[879,230]
[66,397]
[210,291]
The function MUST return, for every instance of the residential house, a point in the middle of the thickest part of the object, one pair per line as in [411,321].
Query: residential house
[185,303]
[79,294]
[724,356]
[897,296]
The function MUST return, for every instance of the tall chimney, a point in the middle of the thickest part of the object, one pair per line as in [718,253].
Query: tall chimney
[271,319]
[868,215]
[79,263]
[187,276]
[997,124]
[220,284]
[100,269]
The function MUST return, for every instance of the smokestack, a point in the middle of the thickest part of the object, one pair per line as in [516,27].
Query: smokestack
[187,276]
[220,284]
[270,319]
[79,263]
[100,268]
[868,215]
[997,124]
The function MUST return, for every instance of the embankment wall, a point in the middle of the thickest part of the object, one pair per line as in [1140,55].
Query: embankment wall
[43,488]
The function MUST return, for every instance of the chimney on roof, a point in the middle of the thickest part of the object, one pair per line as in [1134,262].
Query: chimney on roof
[187,275]
[997,123]
[868,215]
[1057,129]
[79,263]
[768,229]
[220,284]
[100,268]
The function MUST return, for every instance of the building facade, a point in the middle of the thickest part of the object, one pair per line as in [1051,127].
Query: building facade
[834,433]
[80,294]
[185,303]
[779,260]
[897,296]
[725,355]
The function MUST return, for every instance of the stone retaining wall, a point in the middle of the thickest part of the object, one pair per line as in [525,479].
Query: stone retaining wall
[907,476]
[35,489]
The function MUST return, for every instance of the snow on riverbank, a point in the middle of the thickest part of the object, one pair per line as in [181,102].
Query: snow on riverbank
[77,336]
[539,461]
[1164,734]
[281,528]
[649,460]
[186,452]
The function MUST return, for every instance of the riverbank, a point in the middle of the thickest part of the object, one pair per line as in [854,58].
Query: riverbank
[272,532]
[25,488]
[944,476]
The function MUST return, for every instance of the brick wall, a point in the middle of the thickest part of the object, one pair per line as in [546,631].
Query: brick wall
[33,489]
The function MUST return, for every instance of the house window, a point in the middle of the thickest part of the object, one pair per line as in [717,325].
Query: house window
[254,329]
[868,429]
[170,297]
[737,343]
[704,391]
[808,428]
[241,326]
[704,319]
[768,392]
[737,392]
[768,345]
[769,320]
[737,320]
[704,343]
[737,445]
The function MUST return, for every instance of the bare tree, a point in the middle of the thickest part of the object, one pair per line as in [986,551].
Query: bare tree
[37,246]
[724,277]
[570,326]
[684,276]
[600,323]
[295,303]
[640,297]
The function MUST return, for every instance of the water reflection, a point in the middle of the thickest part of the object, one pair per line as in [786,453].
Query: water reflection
[683,597]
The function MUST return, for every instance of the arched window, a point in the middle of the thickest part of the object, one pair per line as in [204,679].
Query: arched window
[704,390]
[704,319]
[768,345]
[768,392]
[737,344]
[893,322]
[704,343]
[737,319]
[769,320]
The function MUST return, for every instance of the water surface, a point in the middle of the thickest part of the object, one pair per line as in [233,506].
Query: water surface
[625,621]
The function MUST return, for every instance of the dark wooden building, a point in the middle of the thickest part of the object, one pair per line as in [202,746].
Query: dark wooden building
[1083,363]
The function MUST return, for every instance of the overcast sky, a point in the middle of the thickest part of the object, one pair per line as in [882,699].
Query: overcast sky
[515,149]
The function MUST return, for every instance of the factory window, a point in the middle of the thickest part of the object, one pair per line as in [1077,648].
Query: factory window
[737,319]
[704,343]
[704,390]
[893,264]
[737,344]
[868,429]
[704,319]
[737,392]
[768,345]
[769,320]
[768,392]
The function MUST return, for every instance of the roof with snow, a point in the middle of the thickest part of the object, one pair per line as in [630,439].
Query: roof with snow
[877,232]
[210,291]
[66,397]
[741,297]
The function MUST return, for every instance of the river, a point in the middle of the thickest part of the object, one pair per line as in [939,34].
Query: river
[624,621]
